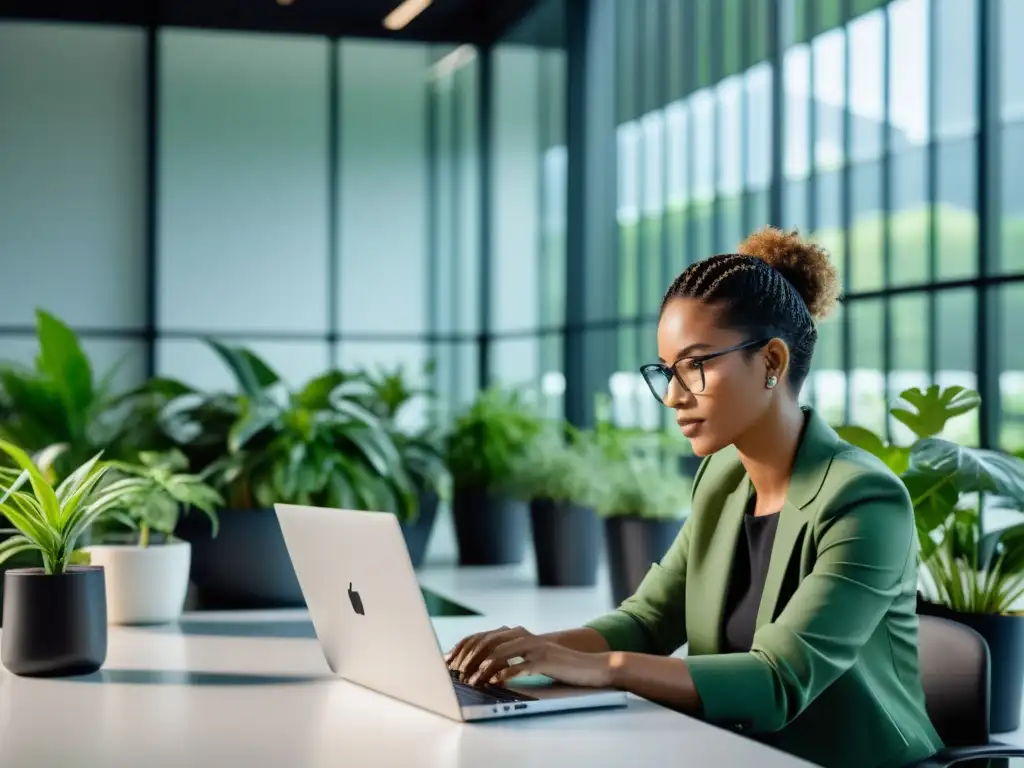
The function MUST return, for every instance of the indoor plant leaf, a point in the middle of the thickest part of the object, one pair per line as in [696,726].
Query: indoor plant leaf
[65,364]
[934,407]
[252,374]
[971,470]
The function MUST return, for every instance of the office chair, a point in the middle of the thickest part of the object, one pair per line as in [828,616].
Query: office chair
[954,661]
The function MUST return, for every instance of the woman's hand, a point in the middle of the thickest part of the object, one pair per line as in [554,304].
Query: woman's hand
[466,656]
[532,655]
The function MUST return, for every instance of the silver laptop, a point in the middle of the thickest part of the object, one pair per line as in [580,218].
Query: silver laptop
[372,622]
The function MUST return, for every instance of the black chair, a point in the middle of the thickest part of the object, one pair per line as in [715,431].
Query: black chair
[954,662]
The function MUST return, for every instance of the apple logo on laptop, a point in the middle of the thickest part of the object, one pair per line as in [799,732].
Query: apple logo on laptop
[356,600]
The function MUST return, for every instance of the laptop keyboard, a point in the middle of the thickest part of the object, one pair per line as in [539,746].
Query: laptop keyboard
[471,695]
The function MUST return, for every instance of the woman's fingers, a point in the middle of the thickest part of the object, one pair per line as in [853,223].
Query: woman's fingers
[484,647]
[512,652]
[457,649]
[458,654]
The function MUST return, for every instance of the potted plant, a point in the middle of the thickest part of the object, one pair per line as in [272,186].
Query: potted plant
[147,570]
[558,477]
[390,397]
[264,445]
[970,573]
[54,616]
[482,450]
[60,401]
[643,507]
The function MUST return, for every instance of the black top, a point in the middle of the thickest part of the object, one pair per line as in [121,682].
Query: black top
[750,569]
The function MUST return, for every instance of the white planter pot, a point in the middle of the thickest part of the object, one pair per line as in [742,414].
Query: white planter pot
[145,585]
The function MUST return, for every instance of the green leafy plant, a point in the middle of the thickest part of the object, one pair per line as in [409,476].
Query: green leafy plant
[637,473]
[488,440]
[389,396]
[559,466]
[51,520]
[265,444]
[161,487]
[970,570]
[59,401]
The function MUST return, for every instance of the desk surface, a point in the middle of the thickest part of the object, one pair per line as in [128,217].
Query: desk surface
[253,689]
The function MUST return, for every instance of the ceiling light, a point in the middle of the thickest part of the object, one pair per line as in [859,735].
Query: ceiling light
[405,13]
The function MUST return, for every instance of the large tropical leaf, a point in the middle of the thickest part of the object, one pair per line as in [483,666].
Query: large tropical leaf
[252,374]
[64,363]
[895,457]
[934,407]
[971,470]
[316,394]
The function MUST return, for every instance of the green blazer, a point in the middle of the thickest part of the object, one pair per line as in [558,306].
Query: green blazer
[832,676]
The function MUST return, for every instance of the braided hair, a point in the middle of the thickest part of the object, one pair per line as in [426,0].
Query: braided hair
[774,286]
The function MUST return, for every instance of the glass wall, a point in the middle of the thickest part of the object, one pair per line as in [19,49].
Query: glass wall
[878,119]
[526,286]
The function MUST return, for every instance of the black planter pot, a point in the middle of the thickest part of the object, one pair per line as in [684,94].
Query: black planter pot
[566,543]
[56,625]
[489,529]
[417,534]
[1004,634]
[634,543]
[246,566]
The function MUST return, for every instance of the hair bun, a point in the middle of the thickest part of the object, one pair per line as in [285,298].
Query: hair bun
[806,265]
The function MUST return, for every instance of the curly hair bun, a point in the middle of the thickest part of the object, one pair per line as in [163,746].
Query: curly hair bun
[806,265]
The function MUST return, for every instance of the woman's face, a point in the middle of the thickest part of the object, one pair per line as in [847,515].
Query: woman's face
[734,396]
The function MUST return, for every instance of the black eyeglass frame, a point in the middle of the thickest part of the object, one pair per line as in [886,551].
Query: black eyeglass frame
[697,361]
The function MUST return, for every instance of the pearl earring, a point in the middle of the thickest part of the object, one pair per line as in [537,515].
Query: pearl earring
[770,382]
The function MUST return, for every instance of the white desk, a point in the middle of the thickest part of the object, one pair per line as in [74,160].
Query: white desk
[205,694]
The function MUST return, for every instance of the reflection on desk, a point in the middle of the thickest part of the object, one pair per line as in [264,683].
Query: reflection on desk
[175,696]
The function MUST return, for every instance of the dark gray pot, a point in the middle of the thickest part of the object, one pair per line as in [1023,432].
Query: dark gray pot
[634,543]
[246,566]
[566,543]
[1004,634]
[54,625]
[490,529]
[417,534]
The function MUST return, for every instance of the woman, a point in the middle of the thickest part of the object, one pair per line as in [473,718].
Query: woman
[794,578]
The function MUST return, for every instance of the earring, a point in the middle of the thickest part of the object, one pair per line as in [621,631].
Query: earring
[770,382]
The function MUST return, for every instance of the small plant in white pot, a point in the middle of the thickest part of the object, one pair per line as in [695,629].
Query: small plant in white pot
[147,568]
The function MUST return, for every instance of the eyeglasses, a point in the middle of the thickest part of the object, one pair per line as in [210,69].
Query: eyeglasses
[689,371]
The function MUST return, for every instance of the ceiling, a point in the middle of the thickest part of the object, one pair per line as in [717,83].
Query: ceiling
[444,21]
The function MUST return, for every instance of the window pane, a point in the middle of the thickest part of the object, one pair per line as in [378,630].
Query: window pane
[956,209]
[910,342]
[956,112]
[72,173]
[677,117]
[867,85]
[730,164]
[704,182]
[1011,377]
[515,188]
[629,218]
[652,207]
[243,182]
[382,249]
[827,384]
[866,233]
[868,400]
[955,312]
